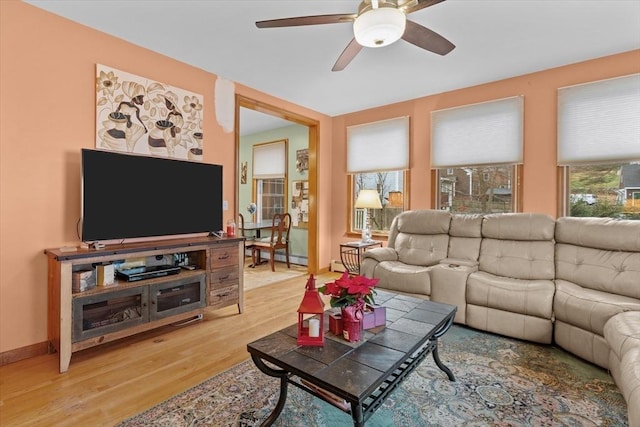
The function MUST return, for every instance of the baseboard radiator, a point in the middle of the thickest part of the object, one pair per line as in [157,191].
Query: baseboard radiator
[337,266]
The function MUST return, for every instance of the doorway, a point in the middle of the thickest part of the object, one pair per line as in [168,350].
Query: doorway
[252,111]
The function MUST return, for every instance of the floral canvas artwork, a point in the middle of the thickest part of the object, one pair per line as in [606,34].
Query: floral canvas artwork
[138,115]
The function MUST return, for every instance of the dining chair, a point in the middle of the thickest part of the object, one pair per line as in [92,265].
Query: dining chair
[279,239]
[248,240]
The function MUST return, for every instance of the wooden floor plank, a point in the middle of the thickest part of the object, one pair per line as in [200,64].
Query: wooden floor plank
[109,383]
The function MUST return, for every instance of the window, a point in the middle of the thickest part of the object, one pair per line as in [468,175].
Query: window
[476,152]
[390,187]
[605,190]
[377,159]
[271,197]
[269,178]
[477,189]
[599,147]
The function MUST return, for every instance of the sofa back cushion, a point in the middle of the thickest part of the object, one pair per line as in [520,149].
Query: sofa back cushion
[420,237]
[465,235]
[599,233]
[599,253]
[518,245]
[519,226]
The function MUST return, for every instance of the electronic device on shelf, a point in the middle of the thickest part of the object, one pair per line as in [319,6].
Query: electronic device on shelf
[140,273]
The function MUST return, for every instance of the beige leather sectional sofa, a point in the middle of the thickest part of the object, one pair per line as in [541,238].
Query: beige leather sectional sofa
[572,281]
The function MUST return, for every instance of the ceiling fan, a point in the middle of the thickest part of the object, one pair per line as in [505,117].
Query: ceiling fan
[378,23]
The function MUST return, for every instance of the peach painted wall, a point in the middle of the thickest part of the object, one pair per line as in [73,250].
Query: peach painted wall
[539,91]
[47,114]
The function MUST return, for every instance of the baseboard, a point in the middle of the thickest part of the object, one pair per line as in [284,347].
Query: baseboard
[294,259]
[21,353]
[337,266]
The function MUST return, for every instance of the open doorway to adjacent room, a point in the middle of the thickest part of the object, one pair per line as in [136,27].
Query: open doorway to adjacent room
[260,127]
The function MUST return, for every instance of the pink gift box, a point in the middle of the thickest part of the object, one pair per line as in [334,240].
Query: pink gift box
[380,314]
[369,320]
[374,315]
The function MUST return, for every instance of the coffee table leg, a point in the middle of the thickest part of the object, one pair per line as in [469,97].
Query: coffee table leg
[443,368]
[436,356]
[357,415]
[284,376]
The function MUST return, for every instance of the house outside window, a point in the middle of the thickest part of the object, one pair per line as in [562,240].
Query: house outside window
[378,159]
[599,148]
[605,190]
[476,153]
[477,189]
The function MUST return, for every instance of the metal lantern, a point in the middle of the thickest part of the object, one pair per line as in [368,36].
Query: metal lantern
[311,316]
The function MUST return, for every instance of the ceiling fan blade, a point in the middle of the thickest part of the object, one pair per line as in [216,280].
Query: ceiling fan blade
[416,5]
[347,55]
[427,39]
[307,20]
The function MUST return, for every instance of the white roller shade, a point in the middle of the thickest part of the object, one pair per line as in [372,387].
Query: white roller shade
[270,160]
[478,134]
[599,121]
[378,146]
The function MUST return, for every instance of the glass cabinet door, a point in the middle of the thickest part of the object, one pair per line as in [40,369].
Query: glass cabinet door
[99,314]
[177,296]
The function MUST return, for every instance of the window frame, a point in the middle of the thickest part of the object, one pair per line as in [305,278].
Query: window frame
[351,188]
[259,195]
[279,174]
[564,186]
[516,185]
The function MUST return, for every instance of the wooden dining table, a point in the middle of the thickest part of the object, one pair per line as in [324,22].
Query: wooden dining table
[257,226]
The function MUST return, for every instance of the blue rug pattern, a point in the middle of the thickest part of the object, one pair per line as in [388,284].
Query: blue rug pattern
[499,382]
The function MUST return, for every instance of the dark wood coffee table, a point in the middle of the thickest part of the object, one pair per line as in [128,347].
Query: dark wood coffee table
[357,377]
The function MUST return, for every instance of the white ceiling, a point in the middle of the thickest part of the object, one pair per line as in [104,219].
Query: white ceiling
[495,39]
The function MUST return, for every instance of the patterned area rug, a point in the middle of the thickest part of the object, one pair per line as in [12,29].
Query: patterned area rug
[499,382]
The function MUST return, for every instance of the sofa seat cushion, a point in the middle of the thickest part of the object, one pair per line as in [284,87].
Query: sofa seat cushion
[398,276]
[589,309]
[622,332]
[528,297]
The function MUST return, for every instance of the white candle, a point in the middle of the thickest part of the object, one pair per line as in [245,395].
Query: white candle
[314,327]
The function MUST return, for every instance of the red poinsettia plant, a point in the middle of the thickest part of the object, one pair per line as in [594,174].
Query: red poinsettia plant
[350,290]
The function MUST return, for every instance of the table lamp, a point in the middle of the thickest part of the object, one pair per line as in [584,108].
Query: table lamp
[367,199]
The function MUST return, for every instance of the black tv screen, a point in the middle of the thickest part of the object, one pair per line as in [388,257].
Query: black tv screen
[131,196]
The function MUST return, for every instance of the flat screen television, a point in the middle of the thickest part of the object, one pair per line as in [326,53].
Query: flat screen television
[131,196]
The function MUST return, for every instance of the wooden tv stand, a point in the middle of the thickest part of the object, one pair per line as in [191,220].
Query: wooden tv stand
[79,320]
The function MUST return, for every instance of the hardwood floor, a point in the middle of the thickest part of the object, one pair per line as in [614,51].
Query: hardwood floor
[109,383]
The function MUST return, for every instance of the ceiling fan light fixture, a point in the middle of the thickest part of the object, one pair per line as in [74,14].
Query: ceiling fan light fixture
[379,27]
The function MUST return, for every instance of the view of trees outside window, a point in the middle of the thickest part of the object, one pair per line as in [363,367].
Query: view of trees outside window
[390,187]
[477,189]
[270,199]
[605,190]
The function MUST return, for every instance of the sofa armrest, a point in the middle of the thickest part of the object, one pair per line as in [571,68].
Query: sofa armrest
[381,254]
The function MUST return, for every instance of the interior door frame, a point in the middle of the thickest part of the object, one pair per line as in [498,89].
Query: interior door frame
[313,126]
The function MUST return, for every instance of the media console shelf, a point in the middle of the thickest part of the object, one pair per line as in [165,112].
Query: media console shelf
[80,320]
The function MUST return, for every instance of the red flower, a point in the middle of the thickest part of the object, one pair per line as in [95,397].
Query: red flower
[349,290]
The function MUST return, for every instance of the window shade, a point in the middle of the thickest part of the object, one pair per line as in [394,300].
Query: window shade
[269,160]
[378,146]
[478,134]
[599,121]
